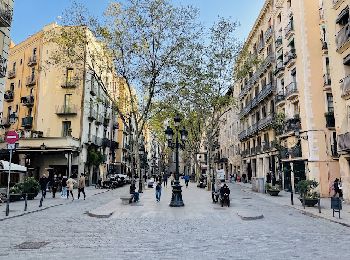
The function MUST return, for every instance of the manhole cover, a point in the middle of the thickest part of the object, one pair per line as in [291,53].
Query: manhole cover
[31,245]
[246,198]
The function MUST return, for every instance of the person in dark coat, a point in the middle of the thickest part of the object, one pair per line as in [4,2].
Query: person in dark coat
[54,185]
[165,180]
[43,185]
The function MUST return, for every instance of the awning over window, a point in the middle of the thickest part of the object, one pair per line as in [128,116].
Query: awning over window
[4,166]
[343,17]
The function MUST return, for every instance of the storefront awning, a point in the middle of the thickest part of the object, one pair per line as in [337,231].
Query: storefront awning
[5,165]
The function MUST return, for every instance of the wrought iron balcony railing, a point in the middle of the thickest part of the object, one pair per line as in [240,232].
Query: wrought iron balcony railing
[3,67]
[32,60]
[9,95]
[27,122]
[343,36]
[66,110]
[345,86]
[291,89]
[344,142]
[289,28]
[6,13]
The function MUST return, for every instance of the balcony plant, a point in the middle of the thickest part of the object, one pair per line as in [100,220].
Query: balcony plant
[279,123]
[307,192]
[272,190]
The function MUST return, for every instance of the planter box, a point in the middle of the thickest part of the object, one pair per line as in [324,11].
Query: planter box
[309,202]
[31,196]
[15,197]
[273,192]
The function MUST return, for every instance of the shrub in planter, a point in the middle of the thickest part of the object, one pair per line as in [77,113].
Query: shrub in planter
[272,190]
[15,193]
[31,187]
[307,192]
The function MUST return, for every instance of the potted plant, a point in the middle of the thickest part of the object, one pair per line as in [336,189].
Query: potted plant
[307,192]
[31,187]
[15,193]
[272,190]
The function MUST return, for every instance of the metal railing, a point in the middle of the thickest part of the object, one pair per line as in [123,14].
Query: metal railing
[327,79]
[30,81]
[27,121]
[66,110]
[268,34]
[291,89]
[32,60]
[344,142]
[11,74]
[3,67]
[28,100]
[345,86]
[342,36]
[9,95]
[6,13]
[289,28]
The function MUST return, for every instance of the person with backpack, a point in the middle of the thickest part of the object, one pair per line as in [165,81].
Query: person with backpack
[158,191]
[187,179]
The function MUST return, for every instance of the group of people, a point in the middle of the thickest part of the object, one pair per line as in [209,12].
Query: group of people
[65,184]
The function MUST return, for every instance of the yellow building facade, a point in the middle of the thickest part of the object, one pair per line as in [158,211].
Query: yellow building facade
[61,112]
[287,111]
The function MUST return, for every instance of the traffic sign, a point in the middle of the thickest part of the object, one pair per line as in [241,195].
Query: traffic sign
[11,146]
[11,137]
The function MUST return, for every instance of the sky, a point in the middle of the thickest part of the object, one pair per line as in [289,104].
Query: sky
[31,15]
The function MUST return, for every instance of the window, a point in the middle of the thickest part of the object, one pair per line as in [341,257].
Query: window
[67,101]
[21,61]
[263,110]
[330,106]
[66,126]
[14,66]
[296,108]
[289,3]
[33,73]
[279,19]
[34,51]
[12,86]
[294,75]
[19,83]
[69,76]
[89,133]
[272,106]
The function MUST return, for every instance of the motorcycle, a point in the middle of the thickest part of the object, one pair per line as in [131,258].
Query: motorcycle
[225,199]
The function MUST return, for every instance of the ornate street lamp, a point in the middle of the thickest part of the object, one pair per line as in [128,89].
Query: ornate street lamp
[176,198]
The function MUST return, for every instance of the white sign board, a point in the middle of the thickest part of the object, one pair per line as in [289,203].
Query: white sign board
[11,146]
[220,174]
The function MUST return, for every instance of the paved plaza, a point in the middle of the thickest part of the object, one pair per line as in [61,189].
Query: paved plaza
[153,230]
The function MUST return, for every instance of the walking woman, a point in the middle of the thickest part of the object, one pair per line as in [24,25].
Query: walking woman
[70,186]
[158,191]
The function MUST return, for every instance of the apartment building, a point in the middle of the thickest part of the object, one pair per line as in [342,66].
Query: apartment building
[287,106]
[6,13]
[228,152]
[64,115]
[335,15]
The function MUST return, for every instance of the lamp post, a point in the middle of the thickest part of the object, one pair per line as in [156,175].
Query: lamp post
[176,198]
[141,154]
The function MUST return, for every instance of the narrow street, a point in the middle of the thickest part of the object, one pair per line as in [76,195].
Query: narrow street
[151,230]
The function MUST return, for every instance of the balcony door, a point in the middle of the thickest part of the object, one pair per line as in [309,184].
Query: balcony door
[67,102]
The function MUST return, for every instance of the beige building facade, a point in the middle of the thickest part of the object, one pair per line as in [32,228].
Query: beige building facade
[335,15]
[287,110]
[63,115]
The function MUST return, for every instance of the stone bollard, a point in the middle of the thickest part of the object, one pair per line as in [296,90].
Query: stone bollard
[25,202]
[291,198]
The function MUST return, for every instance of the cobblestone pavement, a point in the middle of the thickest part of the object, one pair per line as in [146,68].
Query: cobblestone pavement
[151,230]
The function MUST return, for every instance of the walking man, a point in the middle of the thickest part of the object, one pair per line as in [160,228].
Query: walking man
[43,185]
[64,187]
[165,180]
[81,185]
[158,191]
[54,186]
[187,179]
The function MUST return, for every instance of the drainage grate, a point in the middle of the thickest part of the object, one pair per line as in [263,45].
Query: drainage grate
[31,245]
[246,198]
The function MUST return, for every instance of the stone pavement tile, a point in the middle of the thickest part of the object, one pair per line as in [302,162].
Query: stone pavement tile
[284,199]
[17,208]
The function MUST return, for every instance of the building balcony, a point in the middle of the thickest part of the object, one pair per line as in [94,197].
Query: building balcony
[324,46]
[253,151]
[242,135]
[327,80]
[280,98]
[27,122]
[334,151]
[106,120]
[66,110]
[265,92]
[336,3]
[268,34]
[265,122]
[245,110]
[114,145]
[279,41]
[344,142]
[28,101]
[31,80]
[99,119]
[115,125]
[330,120]
[96,140]
[345,86]
[253,129]
[92,114]
[11,74]
[69,84]
[3,67]
[296,151]
[9,95]
[32,60]
[6,13]
[258,149]
[106,142]
[266,64]
[261,45]
[342,37]
[279,68]
[289,58]
[266,147]
[291,90]
[289,29]
[292,124]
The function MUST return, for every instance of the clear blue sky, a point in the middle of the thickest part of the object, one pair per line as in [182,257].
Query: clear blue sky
[31,15]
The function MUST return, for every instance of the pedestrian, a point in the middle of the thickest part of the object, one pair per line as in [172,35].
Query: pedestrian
[337,190]
[64,187]
[43,185]
[81,185]
[158,191]
[165,180]
[187,179]
[70,187]
[340,185]
[54,186]
[172,179]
